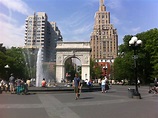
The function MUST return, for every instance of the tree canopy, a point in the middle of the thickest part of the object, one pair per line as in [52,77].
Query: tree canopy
[147,58]
[14,58]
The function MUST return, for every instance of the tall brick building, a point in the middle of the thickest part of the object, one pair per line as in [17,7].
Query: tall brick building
[104,38]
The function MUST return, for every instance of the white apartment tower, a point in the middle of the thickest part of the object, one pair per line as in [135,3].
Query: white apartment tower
[40,33]
[104,38]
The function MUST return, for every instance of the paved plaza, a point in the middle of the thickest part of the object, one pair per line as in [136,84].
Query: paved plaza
[114,104]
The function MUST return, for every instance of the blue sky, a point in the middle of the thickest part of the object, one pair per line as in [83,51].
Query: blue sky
[75,18]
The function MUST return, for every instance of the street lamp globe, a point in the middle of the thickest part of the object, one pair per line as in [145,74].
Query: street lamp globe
[139,42]
[134,39]
[135,42]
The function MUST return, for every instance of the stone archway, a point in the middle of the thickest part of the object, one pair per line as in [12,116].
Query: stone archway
[65,50]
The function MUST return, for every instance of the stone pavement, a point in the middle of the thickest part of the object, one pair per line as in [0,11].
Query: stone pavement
[114,104]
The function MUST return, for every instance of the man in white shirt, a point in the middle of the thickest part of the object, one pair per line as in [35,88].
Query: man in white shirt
[103,85]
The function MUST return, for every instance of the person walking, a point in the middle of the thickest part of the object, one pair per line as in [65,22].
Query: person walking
[76,85]
[138,83]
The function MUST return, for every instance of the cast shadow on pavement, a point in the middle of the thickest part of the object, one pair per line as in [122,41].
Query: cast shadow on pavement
[87,98]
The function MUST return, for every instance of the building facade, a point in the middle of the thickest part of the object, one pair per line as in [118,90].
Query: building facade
[40,33]
[104,38]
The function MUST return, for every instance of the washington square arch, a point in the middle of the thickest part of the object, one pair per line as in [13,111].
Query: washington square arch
[66,50]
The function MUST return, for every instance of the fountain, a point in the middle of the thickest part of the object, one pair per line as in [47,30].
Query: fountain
[36,68]
[39,68]
[27,58]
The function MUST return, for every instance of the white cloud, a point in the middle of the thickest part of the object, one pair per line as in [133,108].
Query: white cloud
[77,25]
[11,34]
[17,6]
[114,4]
[75,19]
[6,18]
[115,20]
[136,29]
[83,29]
[92,2]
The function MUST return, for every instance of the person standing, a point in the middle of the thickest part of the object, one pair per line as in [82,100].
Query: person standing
[76,85]
[103,85]
[18,83]
[106,84]
[12,84]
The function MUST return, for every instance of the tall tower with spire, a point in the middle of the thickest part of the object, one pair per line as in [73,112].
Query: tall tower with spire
[104,38]
[102,7]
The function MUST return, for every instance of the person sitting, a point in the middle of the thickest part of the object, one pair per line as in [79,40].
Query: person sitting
[18,86]
[90,83]
[43,83]
[28,82]
[156,90]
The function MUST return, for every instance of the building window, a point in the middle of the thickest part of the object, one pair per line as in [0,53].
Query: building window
[38,24]
[39,18]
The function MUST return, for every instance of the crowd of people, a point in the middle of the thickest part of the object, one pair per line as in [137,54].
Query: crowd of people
[14,86]
[20,86]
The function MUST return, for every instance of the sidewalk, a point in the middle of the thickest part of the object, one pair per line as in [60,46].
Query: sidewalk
[114,104]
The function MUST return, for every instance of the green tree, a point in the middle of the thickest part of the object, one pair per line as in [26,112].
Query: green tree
[2,64]
[151,49]
[16,61]
[147,58]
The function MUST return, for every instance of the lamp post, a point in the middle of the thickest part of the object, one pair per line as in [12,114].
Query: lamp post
[134,43]
[7,67]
